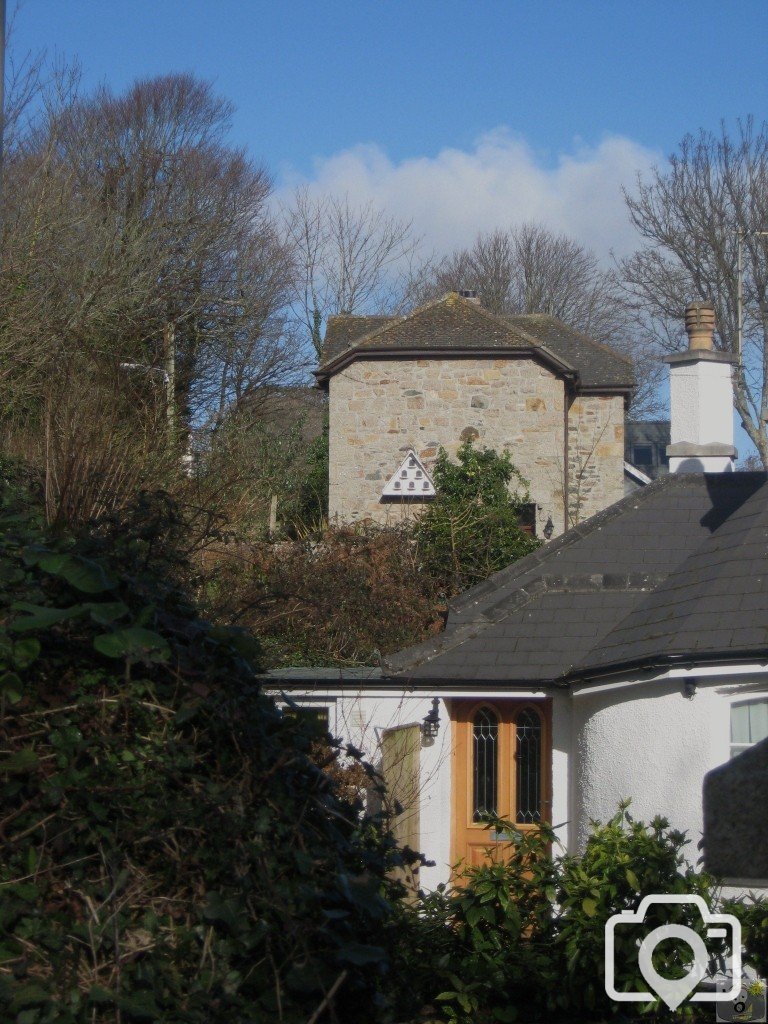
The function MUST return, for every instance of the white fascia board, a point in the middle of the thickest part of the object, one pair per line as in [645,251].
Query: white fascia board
[636,474]
[679,672]
[331,693]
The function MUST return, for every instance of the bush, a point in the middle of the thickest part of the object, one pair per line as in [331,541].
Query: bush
[347,598]
[522,939]
[169,850]
[473,527]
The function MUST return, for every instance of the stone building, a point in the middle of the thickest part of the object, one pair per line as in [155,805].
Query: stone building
[626,659]
[449,371]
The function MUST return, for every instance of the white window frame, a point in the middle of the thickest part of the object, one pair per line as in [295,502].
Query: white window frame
[738,748]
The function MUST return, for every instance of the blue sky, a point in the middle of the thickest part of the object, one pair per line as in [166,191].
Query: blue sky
[460,116]
[312,78]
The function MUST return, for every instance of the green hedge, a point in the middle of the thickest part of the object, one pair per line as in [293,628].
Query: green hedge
[169,850]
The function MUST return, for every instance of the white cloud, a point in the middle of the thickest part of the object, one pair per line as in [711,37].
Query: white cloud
[500,181]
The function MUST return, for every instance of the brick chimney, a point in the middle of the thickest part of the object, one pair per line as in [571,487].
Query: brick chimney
[701,399]
[470,294]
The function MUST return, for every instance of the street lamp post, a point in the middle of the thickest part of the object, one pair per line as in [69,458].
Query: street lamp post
[167,378]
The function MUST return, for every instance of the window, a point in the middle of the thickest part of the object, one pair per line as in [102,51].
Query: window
[317,718]
[642,454]
[485,773]
[527,518]
[749,725]
[528,756]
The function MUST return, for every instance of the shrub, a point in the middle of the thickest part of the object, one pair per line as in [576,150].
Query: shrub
[522,938]
[169,850]
[345,599]
[473,527]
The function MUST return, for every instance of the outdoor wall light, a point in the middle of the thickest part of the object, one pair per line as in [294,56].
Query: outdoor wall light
[549,528]
[689,688]
[431,724]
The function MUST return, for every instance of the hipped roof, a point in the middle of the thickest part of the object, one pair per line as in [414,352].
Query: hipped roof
[459,325]
[675,572]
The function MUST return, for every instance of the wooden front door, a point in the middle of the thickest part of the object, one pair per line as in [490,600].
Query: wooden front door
[501,766]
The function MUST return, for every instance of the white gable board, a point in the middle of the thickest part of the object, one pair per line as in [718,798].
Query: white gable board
[410,480]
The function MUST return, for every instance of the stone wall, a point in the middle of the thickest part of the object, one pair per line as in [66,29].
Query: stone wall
[595,454]
[380,408]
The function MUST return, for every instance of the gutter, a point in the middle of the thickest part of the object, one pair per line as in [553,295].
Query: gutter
[663,662]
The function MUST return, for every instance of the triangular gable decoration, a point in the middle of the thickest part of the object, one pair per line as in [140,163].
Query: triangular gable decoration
[410,480]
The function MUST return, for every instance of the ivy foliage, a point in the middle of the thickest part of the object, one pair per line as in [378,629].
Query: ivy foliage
[473,526]
[169,850]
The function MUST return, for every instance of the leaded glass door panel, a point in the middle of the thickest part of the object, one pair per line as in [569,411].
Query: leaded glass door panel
[501,767]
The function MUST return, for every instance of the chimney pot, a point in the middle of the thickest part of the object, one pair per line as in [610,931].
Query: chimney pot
[469,293]
[700,325]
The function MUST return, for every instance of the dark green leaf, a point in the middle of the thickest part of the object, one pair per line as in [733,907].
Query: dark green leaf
[134,643]
[39,616]
[25,651]
[359,954]
[81,573]
[19,762]
[108,612]
[11,687]
[30,994]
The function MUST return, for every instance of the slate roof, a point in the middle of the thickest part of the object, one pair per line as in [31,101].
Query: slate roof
[599,365]
[677,571]
[457,323]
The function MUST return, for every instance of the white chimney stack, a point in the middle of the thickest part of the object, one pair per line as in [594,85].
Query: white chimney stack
[701,399]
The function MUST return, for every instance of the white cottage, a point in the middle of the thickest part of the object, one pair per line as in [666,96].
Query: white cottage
[627,658]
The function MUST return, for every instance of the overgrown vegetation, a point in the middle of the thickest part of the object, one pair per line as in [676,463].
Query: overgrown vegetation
[344,598]
[170,851]
[174,849]
[521,939]
[473,527]
[347,595]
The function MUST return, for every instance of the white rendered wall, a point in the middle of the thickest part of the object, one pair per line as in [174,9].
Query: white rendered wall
[701,464]
[642,740]
[701,403]
[649,742]
[361,719]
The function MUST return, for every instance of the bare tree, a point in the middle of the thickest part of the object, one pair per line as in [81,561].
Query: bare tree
[347,258]
[691,215]
[530,269]
[134,236]
[142,237]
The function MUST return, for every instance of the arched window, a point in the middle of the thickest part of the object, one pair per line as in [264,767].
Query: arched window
[528,743]
[485,757]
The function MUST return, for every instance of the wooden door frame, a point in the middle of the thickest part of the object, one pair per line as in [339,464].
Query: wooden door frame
[506,707]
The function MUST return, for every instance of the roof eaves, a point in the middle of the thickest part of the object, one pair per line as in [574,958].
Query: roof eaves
[350,355]
[326,369]
[586,674]
[607,349]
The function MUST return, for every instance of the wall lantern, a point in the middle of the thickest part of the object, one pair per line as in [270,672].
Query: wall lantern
[549,528]
[431,724]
